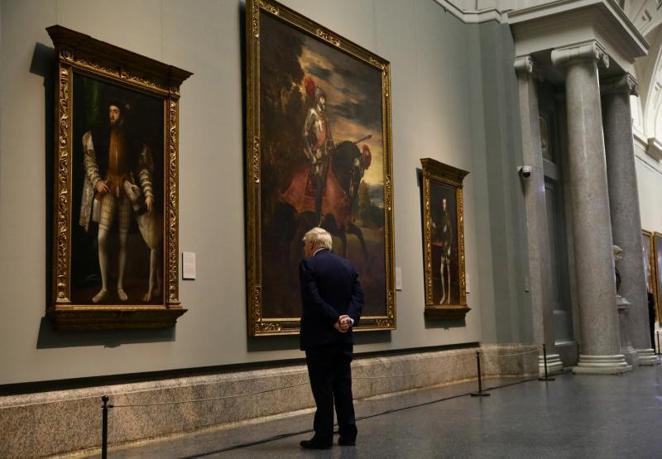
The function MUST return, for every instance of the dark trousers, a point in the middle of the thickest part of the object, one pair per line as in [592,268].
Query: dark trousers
[331,381]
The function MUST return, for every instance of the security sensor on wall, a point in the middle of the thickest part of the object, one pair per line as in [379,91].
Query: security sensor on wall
[525,171]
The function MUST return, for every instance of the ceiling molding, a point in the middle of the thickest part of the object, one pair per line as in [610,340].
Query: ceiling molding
[639,138]
[644,14]
[620,27]
[474,16]
[504,15]
[654,149]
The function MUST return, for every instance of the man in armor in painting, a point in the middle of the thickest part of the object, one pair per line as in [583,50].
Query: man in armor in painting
[112,157]
[445,235]
[318,142]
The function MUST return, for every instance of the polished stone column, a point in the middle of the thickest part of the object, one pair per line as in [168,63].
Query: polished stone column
[624,205]
[596,286]
[533,187]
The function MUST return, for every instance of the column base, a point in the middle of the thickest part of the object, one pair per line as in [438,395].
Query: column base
[554,365]
[601,365]
[631,356]
[647,357]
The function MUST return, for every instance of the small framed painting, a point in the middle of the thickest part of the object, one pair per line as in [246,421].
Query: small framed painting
[443,241]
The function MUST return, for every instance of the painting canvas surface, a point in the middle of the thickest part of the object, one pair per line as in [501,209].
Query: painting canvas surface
[322,162]
[445,263]
[136,146]
[647,259]
[321,126]
[657,256]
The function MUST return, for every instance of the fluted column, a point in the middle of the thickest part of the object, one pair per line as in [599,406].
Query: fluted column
[533,188]
[596,286]
[624,205]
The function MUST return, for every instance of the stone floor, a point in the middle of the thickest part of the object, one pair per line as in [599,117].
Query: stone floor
[573,416]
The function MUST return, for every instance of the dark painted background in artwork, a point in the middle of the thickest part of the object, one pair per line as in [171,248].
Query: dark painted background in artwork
[438,192]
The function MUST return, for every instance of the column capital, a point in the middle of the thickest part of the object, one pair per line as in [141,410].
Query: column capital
[523,65]
[591,50]
[625,83]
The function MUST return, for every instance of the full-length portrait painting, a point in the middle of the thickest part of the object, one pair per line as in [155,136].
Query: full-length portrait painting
[443,241]
[647,251]
[115,246]
[657,254]
[318,154]
[117,186]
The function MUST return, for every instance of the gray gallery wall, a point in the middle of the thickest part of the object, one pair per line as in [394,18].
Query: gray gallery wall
[510,318]
[440,110]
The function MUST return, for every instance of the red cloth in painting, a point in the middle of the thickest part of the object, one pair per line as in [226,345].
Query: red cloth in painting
[300,194]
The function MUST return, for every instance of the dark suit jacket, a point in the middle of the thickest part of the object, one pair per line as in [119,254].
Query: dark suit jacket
[329,288]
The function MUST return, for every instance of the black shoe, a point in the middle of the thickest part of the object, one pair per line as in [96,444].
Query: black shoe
[314,444]
[346,441]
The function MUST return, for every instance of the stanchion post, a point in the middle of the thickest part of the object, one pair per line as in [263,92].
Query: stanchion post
[480,392]
[104,427]
[544,357]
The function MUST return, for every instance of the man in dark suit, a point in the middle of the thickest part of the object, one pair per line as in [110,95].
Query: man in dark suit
[332,300]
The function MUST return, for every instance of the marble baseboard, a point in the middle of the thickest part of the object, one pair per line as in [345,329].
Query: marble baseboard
[59,422]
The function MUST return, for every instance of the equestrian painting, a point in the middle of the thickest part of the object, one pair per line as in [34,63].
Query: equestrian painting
[319,108]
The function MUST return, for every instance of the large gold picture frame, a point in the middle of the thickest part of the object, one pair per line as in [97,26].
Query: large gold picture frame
[318,153]
[657,264]
[115,180]
[443,241]
[648,259]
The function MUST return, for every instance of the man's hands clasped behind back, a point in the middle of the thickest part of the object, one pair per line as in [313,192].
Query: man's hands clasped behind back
[343,324]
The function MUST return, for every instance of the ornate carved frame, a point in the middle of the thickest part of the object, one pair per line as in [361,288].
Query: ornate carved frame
[257,324]
[434,171]
[79,53]
[652,270]
[656,239]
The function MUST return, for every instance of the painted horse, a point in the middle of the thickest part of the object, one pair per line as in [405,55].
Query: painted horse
[346,166]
